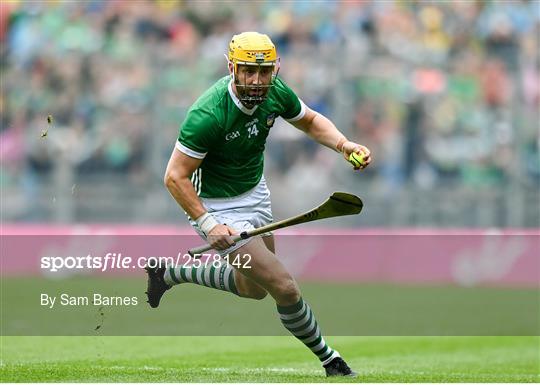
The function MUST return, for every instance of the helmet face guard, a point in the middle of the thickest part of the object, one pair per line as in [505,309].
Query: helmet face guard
[255,65]
[256,92]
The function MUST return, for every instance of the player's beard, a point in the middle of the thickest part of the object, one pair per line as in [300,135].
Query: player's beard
[252,95]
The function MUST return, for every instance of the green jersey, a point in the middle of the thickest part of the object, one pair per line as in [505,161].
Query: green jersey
[230,138]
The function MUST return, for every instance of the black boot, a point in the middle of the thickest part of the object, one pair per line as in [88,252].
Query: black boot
[156,284]
[338,367]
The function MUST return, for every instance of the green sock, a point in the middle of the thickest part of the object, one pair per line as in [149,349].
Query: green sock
[221,278]
[300,321]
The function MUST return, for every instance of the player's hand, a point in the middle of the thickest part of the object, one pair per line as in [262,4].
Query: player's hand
[350,147]
[220,237]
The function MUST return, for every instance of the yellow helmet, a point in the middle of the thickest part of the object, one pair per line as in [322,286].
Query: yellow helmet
[252,48]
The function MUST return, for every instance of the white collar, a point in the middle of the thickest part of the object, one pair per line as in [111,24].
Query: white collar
[244,109]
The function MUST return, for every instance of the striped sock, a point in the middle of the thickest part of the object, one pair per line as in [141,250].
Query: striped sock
[221,278]
[300,321]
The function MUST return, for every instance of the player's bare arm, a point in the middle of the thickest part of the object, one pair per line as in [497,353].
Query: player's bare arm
[178,182]
[321,129]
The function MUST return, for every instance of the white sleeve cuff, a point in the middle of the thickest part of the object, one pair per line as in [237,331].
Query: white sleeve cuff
[300,114]
[189,152]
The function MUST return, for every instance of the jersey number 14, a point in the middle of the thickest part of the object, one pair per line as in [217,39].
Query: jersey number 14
[253,131]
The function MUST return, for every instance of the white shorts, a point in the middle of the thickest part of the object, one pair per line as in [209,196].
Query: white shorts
[244,212]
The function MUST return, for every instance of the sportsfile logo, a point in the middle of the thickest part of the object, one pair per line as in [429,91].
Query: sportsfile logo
[102,263]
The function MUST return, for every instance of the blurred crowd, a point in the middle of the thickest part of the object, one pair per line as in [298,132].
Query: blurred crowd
[443,92]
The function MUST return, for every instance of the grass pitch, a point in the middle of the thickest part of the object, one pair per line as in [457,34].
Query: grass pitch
[267,359]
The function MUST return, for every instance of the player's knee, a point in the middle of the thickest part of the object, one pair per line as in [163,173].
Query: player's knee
[288,291]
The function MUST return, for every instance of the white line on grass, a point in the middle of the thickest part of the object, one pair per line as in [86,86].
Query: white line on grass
[215,370]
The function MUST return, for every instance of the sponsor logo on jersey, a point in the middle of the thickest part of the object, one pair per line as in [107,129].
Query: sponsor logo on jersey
[270,119]
[232,135]
[251,122]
